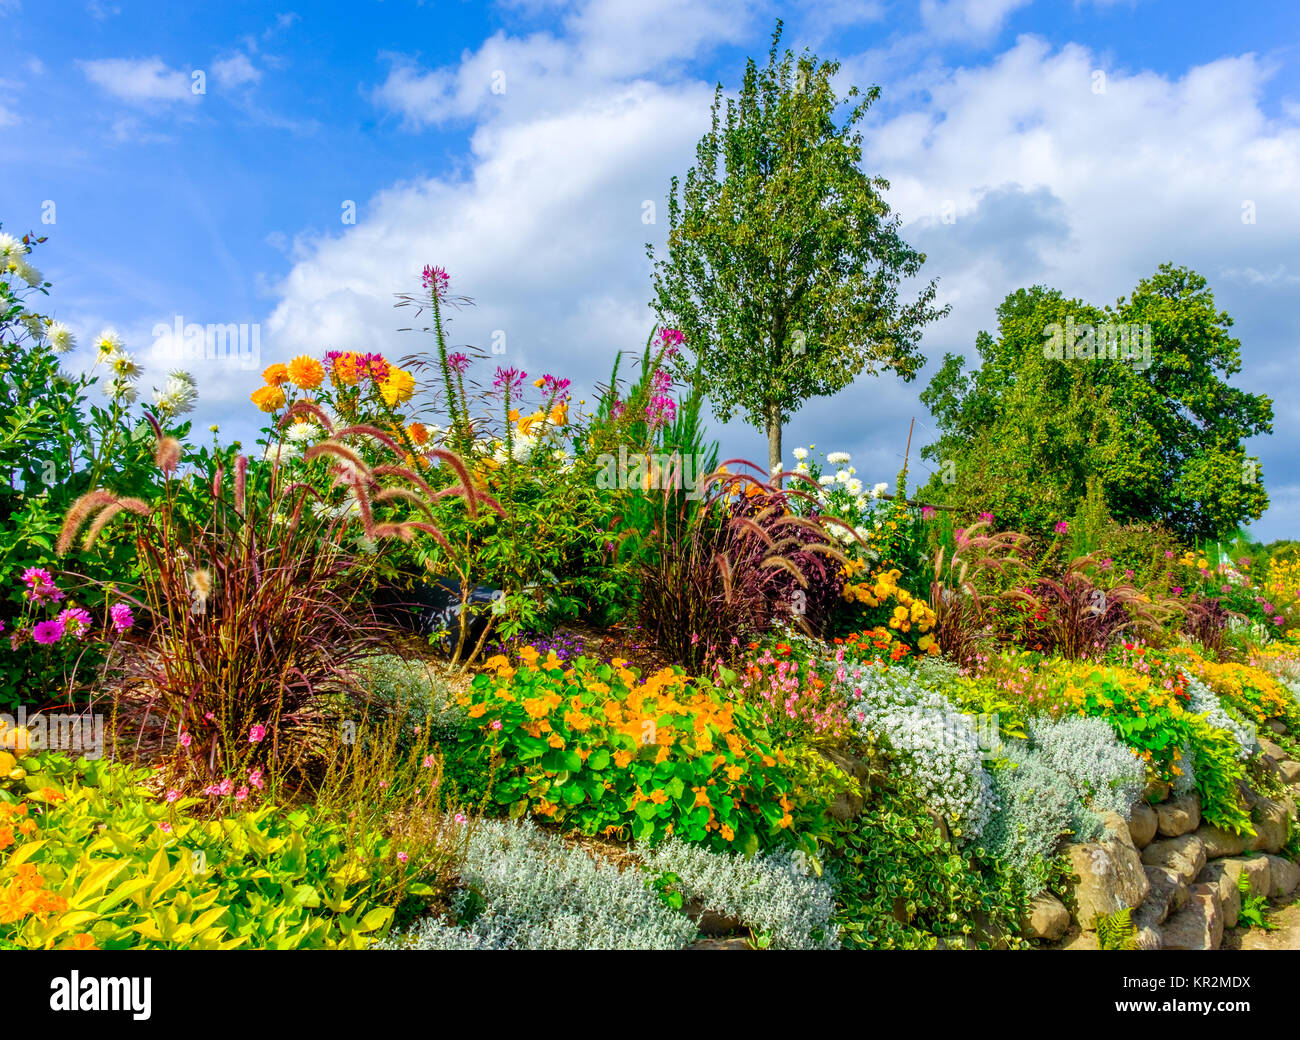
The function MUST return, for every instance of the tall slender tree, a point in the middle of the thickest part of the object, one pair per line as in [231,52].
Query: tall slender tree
[784,262]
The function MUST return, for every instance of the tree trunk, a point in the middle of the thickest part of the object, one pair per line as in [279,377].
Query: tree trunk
[773,439]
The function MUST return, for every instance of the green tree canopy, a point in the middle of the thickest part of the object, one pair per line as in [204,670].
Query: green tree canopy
[784,262]
[1157,437]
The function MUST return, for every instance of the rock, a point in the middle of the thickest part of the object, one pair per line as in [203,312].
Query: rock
[1115,826]
[1284,876]
[848,804]
[720,944]
[1109,877]
[1198,925]
[1156,791]
[1257,868]
[1178,816]
[1184,855]
[1082,941]
[1168,893]
[1219,843]
[1277,726]
[1148,938]
[1142,823]
[1272,822]
[1048,919]
[1289,771]
[1217,874]
[1272,750]
[711,922]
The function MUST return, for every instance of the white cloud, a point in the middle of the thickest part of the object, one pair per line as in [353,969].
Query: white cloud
[973,20]
[139,79]
[236,71]
[520,77]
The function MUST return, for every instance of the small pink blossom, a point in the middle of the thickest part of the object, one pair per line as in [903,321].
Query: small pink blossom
[173,795]
[241,794]
[186,739]
[256,733]
[255,778]
[402,857]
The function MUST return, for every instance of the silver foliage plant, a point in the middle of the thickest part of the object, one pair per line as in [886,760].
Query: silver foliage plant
[1204,701]
[933,745]
[1104,773]
[534,891]
[774,893]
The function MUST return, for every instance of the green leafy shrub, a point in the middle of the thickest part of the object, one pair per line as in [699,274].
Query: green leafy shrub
[597,748]
[106,864]
[901,885]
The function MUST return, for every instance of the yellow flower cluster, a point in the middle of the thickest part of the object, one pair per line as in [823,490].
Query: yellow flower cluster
[879,589]
[1250,690]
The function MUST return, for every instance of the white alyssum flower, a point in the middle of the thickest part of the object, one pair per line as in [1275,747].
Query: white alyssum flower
[60,337]
[838,458]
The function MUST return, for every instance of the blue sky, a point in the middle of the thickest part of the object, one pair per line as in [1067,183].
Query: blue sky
[226,206]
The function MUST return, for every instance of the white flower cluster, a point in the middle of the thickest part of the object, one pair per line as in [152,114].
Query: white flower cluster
[13,257]
[533,891]
[772,893]
[1104,773]
[174,398]
[935,746]
[1204,701]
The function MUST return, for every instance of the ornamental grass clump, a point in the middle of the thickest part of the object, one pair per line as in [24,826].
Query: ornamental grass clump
[723,568]
[251,602]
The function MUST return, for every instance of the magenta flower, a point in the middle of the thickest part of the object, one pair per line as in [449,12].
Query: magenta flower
[436,279]
[186,740]
[927,512]
[402,857]
[256,733]
[508,380]
[1278,619]
[671,340]
[41,585]
[459,362]
[227,785]
[496,723]
[241,794]
[1177,590]
[120,614]
[76,620]
[460,817]
[1062,527]
[48,633]
[255,778]
[986,517]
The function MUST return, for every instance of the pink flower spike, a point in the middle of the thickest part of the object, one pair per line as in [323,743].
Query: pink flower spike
[256,733]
